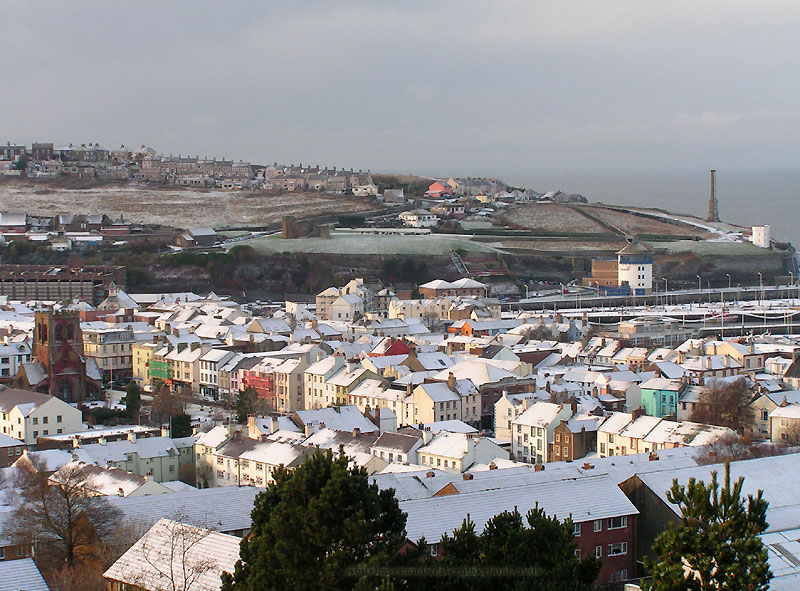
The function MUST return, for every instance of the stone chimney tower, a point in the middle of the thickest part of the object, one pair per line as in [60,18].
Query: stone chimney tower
[713,205]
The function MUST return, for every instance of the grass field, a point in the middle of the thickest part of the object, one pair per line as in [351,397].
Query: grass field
[342,243]
[705,248]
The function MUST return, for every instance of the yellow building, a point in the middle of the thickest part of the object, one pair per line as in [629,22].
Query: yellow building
[142,356]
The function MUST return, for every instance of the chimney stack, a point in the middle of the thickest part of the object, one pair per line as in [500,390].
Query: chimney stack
[713,205]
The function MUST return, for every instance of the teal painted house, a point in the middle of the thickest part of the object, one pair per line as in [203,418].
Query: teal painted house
[660,397]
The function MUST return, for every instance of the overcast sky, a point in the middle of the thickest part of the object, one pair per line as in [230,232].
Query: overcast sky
[412,85]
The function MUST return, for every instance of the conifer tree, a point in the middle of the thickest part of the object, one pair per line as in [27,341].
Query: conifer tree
[313,525]
[716,545]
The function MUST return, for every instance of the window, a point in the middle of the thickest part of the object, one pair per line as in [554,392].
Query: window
[611,438]
[58,418]
[44,420]
[618,549]
[598,551]
[36,434]
[35,421]
[577,552]
[558,438]
[618,522]
[621,575]
[576,529]
[602,448]
[598,525]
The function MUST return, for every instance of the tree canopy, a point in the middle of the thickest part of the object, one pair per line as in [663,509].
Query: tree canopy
[65,521]
[716,544]
[249,403]
[133,400]
[314,523]
[726,404]
[181,426]
[537,550]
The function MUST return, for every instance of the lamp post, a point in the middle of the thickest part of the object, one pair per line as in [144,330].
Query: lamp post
[760,289]
[699,283]
[729,280]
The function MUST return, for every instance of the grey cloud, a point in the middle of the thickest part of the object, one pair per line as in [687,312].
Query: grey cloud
[411,85]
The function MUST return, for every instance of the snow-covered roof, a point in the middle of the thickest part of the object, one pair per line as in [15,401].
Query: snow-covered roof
[144,564]
[21,575]
[539,414]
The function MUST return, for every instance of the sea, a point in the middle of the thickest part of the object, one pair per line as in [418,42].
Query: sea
[748,197]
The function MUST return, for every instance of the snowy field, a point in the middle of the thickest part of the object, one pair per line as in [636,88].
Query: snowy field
[342,243]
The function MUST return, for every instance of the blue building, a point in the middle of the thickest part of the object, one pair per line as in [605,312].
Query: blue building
[660,397]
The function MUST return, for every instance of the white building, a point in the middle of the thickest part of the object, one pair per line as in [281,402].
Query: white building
[532,431]
[26,415]
[635,268]
[457,452]
[210,362]
[419,218]
[12,356]
[761,236]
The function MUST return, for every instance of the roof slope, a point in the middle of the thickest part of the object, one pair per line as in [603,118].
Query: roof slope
[158,559]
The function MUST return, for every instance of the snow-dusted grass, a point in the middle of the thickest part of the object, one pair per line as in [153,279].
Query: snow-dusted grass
[435,244]
[714,248]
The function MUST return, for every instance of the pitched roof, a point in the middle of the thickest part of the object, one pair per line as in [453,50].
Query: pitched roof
[22,575]
[145,563]
[11,397]
[397,441]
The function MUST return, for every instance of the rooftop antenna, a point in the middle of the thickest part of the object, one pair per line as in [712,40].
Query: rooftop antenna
[713,204]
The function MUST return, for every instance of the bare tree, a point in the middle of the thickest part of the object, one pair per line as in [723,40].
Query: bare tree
[791,434]
[172,560]
[731,448]
[165,404]
[726,405]
[61,515]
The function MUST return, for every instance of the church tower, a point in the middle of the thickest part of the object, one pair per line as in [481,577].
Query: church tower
[58,346]
[713,205]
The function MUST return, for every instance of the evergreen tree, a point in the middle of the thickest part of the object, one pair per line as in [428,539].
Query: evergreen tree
[181,425]
[133,400]
[537,550]
[311,525]
[249,403]
[716,545]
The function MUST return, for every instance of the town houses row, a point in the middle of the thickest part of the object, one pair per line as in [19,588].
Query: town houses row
[43,160]
[460,407]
